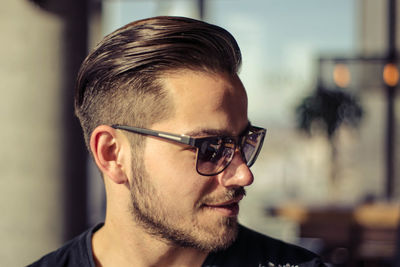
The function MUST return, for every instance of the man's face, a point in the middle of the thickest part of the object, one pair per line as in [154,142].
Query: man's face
[170,200]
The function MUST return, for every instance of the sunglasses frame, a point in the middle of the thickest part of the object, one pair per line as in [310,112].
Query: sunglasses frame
[197,141]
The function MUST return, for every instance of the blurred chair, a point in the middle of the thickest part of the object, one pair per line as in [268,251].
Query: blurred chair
[363,236]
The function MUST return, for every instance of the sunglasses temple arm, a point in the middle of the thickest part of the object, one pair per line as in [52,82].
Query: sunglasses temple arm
[183,139]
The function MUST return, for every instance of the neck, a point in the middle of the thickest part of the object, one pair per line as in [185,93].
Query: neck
[124,243]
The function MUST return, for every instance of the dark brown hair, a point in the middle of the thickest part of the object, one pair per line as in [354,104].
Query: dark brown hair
[119,81]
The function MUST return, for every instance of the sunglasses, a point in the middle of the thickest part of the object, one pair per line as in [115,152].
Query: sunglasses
[213,153]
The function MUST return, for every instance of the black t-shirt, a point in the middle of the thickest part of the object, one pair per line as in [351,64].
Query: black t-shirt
[250,249]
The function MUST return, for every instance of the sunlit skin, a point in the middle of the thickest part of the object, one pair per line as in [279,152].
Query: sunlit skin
[204,104]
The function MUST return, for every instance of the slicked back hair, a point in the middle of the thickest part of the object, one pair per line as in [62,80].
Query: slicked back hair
[119,81]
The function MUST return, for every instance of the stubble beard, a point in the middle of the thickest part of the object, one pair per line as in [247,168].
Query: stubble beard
[152,216]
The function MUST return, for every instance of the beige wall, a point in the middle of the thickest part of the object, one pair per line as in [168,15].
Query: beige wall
[373,19]
[30,75]
[372,26]
[373,41]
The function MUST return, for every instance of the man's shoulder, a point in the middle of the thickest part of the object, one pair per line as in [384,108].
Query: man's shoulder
[276,250]
[76,252]
[255,249]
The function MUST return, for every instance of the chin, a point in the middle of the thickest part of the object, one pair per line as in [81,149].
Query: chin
[219,236]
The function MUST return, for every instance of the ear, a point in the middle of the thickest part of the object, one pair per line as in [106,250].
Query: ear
[111,152]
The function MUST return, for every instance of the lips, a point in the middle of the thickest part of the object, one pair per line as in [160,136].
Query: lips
[228,202]
[227,208]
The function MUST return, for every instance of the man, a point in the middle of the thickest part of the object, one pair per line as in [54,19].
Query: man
[164,116]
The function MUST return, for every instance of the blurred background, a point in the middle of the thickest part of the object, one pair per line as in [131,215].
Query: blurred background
[321,76]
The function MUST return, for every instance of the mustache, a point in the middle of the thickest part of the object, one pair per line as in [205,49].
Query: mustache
[227,196]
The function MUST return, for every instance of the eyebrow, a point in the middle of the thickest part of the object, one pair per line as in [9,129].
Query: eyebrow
[206,132]
[213,132]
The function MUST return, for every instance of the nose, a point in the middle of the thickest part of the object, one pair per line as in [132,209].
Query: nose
[237,174]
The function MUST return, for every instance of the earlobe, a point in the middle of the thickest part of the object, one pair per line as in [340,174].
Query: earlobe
[109,153]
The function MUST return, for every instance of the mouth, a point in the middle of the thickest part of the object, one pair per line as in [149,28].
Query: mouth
[228,208]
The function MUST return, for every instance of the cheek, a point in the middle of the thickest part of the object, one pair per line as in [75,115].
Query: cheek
[172,171]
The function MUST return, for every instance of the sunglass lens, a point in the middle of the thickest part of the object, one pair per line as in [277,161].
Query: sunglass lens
[213,156]
[251,146]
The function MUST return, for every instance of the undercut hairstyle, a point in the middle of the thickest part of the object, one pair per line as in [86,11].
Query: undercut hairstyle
[120,80]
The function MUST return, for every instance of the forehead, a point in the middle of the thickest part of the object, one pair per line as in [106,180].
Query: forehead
[206,100]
